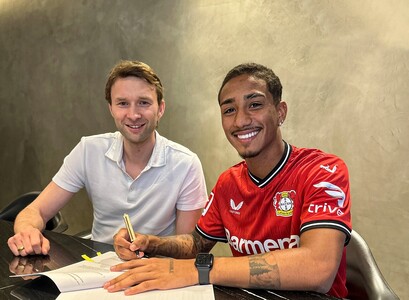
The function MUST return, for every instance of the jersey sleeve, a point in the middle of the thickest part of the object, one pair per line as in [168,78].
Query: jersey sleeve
[210,224]
[326,196]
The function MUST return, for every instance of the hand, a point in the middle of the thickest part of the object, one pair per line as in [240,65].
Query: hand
[125,249]
[29,242]
[27,265]
[153,274]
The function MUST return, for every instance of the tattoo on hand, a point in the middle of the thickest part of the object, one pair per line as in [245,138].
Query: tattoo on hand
[263,274]
[171,270]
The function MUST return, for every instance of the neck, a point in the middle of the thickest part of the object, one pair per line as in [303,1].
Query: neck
[262,164]
[136,156]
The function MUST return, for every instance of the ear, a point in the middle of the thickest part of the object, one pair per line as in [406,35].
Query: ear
[162,107]
[110,109]
[282,110]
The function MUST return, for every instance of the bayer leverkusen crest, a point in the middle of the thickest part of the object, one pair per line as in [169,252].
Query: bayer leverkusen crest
[284,203]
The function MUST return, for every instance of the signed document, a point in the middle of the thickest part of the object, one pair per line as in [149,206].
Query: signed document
[84,280]
[83,275]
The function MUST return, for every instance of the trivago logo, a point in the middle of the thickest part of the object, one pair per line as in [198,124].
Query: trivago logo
[333,191]
[254,247]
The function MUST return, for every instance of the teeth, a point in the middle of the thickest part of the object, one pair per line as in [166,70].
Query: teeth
[247,136]
[134,126]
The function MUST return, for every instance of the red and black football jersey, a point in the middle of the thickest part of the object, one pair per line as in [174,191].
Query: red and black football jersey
[307,189]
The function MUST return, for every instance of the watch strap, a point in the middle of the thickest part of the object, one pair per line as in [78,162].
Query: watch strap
[203,275]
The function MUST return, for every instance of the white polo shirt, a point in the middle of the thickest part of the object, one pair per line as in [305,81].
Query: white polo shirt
[173,179]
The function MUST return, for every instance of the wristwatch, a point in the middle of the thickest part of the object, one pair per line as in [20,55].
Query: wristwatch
[204,263]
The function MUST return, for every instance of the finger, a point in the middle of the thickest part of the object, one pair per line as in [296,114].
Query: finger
[21,249]
[26,242]
[12,243]
[36,243]
[122,238]
[125,253]
[123,281]
[45,248]
[141,287]
[134,247]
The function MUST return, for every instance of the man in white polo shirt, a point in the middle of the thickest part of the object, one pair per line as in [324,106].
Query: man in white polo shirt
[159,183]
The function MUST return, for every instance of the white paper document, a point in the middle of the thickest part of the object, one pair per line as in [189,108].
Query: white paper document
[84,274]
[197,292]
[84,280]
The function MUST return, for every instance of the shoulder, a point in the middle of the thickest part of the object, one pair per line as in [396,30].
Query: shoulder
[315,163]
[174,148]
[101,138]
[101,141]
[312,156]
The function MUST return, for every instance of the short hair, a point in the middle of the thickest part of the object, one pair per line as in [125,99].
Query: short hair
[127,68]
[259,72]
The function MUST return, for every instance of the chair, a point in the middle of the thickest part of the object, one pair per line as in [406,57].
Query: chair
[86,234]
[10,212]
[364,279]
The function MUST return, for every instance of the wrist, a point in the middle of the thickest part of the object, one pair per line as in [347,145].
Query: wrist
[203,264]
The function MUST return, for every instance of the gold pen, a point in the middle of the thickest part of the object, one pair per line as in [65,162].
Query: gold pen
[131,232]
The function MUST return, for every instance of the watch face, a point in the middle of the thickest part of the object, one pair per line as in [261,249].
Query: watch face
[204,260]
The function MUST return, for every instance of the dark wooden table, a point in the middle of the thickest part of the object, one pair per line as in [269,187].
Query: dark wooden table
[66,249]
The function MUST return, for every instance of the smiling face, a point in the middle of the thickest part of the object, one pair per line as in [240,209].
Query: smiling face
[135,110]
[250,118]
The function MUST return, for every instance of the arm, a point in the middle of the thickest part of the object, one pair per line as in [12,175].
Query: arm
[32,220]
[186,220]
[312,266]
[178,246]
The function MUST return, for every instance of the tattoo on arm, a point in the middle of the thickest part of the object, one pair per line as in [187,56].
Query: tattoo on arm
[263,274]
[201,244]
[178,246]
[181,246]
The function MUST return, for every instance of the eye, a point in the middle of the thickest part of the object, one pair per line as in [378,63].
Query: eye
[122,103]
[144,102]
[255,105]
[228,110]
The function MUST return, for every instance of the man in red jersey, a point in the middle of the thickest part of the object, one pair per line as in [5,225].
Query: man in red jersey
[284,210]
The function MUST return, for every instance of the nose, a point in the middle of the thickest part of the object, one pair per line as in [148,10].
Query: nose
[134,112]
[242,118]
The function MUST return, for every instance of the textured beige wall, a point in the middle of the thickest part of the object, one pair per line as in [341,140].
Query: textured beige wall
[344,66]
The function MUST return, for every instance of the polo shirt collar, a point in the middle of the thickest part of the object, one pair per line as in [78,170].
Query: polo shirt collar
[158,157]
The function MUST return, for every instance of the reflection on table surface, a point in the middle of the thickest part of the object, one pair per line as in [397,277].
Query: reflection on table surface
[66,249]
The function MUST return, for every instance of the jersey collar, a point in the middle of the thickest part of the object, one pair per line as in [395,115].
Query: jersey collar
[261,182]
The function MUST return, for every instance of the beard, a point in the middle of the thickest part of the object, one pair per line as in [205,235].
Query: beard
[248,154]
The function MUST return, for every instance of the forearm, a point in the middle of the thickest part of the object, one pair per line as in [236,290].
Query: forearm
[312,266]
[179,246]
[264,271]
[255,271]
